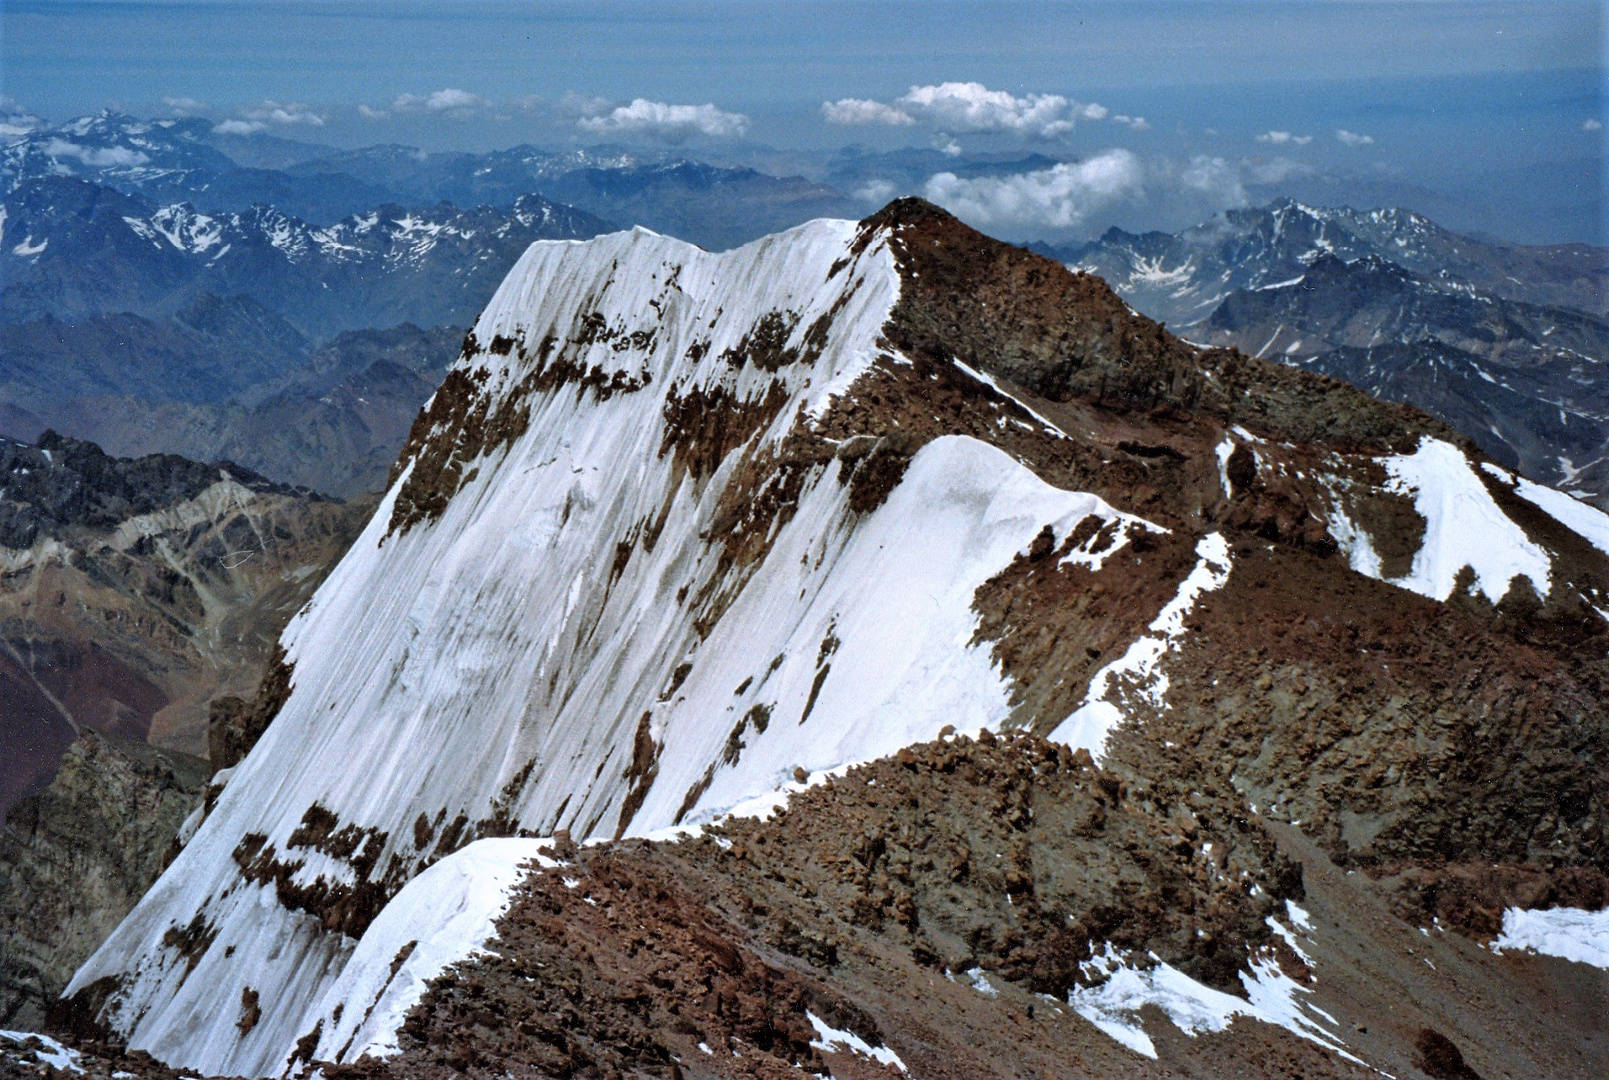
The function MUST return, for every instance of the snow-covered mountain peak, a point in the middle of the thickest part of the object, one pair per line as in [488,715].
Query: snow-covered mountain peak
[681,527]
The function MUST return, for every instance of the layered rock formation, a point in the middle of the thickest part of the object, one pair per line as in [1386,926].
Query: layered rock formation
[77,856]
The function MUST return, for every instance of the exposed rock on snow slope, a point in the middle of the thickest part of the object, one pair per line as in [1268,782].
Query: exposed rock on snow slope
[682,524]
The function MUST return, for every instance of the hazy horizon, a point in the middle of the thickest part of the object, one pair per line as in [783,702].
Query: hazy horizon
[1487,116]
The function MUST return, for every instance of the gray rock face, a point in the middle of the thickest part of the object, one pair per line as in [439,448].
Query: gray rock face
[76,857]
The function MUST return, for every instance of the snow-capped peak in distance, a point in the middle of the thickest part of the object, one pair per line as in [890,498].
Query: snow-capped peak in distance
[1181,277]
[102,252]
[680,527]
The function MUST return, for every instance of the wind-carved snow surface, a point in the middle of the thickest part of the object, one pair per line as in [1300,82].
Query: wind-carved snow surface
[504,663]
[1570,933]
[446,914]
[1137,674]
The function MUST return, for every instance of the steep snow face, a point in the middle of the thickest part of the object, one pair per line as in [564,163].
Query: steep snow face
[604,625]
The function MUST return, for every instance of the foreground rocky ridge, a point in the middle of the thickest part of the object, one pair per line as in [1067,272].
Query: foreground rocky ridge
[943,905]
[838,490]
[935,914]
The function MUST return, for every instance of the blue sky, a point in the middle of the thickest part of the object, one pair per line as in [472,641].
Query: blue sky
[1485,105]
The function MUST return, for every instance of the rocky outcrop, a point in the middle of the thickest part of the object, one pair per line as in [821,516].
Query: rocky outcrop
[938,909]
[75,858]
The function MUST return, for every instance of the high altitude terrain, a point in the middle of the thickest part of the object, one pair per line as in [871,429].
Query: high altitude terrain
[1145,707]
[1507,345]
[138,599]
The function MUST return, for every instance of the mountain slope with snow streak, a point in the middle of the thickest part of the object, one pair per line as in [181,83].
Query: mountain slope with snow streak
[614,719]
[681,526]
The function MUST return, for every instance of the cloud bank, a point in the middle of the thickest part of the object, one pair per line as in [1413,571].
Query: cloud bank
[95,156]
[1352,138]
[668,123]
[960,107]
[1284,138]
[257,118]
[1067,195]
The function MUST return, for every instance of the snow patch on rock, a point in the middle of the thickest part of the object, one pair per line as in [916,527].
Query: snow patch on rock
[833,1039]
[1586,521]
[1114,1004]
[1137,673]
[1570,933]
[1463,526]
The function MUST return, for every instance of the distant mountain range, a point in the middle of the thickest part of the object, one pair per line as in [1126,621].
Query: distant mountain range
[171,161]
[74,250]
[153,328]
[1507,344]
[1181,277]
[191,277]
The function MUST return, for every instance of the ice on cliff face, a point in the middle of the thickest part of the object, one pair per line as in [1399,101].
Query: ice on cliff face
[494,656]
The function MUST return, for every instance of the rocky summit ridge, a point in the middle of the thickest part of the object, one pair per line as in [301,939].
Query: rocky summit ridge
[683,533]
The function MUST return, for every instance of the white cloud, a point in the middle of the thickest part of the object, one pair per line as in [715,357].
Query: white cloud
[184,104]
[273,112]
[864,111]
[583,104]
[1352,138]
[1591,124]
[1059,197]
[449,102]
[672,123]
[238,127]
[368,112]
[1284,138]
[951,148]
[16,120]
[970,106]
[1109,184]
[1211,179]
[95,156]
